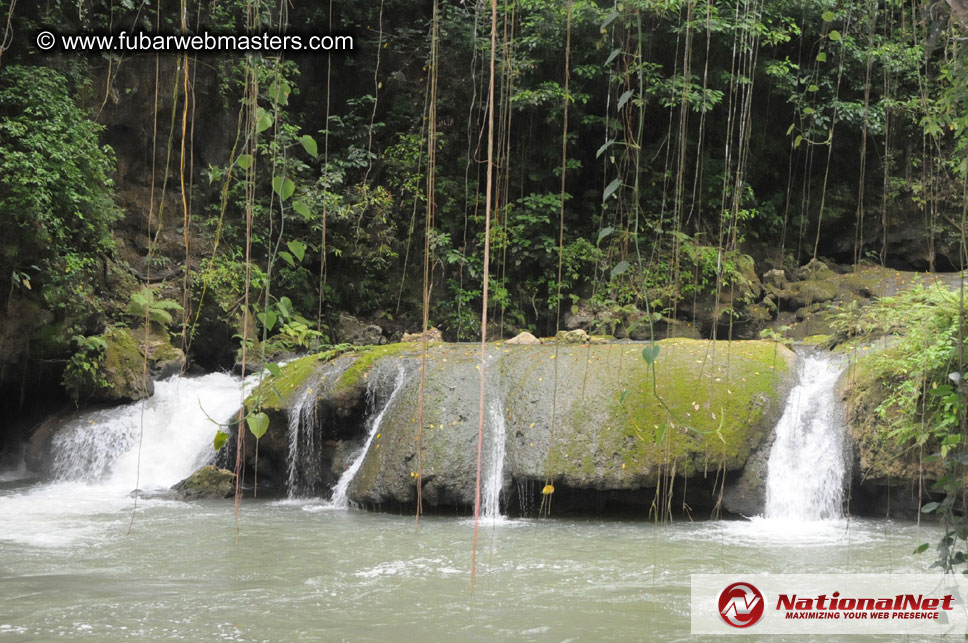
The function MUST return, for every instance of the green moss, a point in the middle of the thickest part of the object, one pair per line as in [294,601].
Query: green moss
[367,357]
[816,340]
[122,354]
[274,392]
[712,408]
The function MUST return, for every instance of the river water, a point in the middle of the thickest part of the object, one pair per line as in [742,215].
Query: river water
[314,570]
[301,571]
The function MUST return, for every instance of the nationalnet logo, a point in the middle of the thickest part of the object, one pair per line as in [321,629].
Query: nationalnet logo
[926,604]
[741,605]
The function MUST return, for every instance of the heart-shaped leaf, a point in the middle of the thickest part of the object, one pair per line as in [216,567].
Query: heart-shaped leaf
[268,319]
[274,369]
[244,161]
[263,121]
[650,353]
[297,248]
[258,424]
[835,36]
[604,232]
[220,439]
[283,186]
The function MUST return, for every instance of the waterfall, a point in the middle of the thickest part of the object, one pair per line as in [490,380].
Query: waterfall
[340,491]
[305,454]
[102,447]
[494,473]
[807,469]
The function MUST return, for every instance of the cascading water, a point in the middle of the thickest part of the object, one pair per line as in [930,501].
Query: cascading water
[494,473]
[304,448]
[102,447]
[807,469]
[340,491]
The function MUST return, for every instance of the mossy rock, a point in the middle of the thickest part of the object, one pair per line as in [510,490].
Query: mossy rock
[611,430]
[881,459]
[123,369]
[207,482]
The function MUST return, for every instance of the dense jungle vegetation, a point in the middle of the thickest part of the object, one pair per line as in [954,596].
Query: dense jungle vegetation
[650,159]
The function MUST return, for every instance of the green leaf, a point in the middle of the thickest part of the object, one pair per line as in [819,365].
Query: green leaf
[301,207]
[283,186]
[835,36]
[244,161]
[610,18]
[624,98]
[619,268]
[221,437]
[273,369]
[828,16]
[297,248]
[797,141]
[822,57]
[790,129]
[268,319]
[279,92]
[807,111]
[262,120]
[649,353]
[928,508]
[288,258]
[258,424]
[923,547]
[604,232]
[309,144]
[610,189]
[813,88]
[625,394]
[615,52]
[604,147]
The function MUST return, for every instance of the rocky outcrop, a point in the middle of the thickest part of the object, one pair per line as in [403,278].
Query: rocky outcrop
[710,408]
[523,339]
[615,431]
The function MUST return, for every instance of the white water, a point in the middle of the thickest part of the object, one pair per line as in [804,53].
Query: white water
[340,498]
[173,426]
[807,469]
[494,474]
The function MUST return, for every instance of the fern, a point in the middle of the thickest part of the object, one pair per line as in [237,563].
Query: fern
[144,303]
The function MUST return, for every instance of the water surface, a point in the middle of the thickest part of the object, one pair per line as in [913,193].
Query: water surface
[303,572]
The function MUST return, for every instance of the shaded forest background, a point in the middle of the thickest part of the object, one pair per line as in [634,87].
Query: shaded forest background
[708,142]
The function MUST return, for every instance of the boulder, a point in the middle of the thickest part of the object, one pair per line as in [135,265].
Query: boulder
[577,336]
[525,339]
[432,335]
[352,331]
[207,482]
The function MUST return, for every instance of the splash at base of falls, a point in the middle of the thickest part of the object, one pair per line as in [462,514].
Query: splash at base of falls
[807,466]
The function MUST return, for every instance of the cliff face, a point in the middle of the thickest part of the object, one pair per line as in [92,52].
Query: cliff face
[604,431]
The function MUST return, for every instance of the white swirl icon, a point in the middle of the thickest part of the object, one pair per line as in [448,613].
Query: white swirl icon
[46,40]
